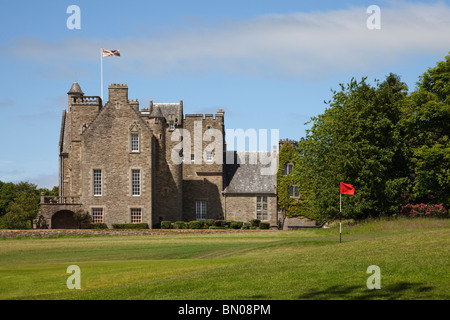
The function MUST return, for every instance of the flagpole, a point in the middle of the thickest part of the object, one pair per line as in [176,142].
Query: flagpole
[340,217]
[101,72]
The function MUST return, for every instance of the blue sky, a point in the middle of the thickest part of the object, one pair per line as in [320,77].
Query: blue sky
[268,64]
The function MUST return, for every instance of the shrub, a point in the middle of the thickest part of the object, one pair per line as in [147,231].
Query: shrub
[209,222]
[255,222]
[246,225]
[99,226]
[227,223]
[195,224]
[166,224]
[219,223]
[216,227]
[236,225]
[130,226]
[424,210]
[180,225]
[264,225]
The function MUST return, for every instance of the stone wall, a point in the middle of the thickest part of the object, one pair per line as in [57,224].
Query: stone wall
[111,232]
[106,146]
[298,223]
[242,207]
[203,180]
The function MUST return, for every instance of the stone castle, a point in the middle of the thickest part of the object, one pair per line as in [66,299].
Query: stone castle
[118,162]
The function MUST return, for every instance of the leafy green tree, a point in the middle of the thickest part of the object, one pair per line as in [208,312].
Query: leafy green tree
[358,141]
[22,211]
[49,193]
[426,120]
[19,204]
[7,195]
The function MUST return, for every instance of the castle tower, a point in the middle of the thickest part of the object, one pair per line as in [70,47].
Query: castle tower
[203,174]
[82,110]
[167,181]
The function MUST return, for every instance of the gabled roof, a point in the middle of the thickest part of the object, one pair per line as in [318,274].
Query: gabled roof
[243,177]
[168,109]
[156,113]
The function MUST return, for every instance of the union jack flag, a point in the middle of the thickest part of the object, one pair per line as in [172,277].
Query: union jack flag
[110,53]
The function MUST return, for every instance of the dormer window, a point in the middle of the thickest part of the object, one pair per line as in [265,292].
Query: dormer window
[171,125]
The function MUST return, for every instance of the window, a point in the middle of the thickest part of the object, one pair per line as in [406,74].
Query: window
[136,215]
[171,125]
[136,182]
[192,157]
[134,142]
[200,210]
[288,168]
[293,191]
[209,156]
[97,177]
[97,215]
[261,208]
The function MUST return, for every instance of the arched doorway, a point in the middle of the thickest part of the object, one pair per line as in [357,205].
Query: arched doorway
[64,220]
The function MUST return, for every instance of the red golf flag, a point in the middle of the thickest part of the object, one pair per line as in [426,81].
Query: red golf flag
[347,188]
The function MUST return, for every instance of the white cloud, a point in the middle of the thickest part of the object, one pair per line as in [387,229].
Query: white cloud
[282,45]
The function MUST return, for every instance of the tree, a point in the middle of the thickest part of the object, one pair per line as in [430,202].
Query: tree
[19,204]
[22,211]
[7,195]
[82,216]
[426,121]
[358,140]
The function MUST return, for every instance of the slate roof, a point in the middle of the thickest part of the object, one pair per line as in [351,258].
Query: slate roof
[169,108]
[156,113]
[246,177]
[75,89]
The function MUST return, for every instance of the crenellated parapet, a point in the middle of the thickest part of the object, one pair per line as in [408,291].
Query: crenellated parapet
[85,100]
[292,142]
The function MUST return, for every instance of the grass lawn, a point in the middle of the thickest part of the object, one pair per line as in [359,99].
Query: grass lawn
[412,254]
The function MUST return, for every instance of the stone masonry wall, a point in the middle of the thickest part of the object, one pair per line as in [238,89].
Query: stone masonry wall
[106,146]
[203,180]
[242,207]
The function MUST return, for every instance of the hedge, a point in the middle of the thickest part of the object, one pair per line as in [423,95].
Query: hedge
[196,224]
[166,225]
[209,224]
[99,225]
[130,226]
[264,225]
[236,224]
[219,223]
[180,225]
[255,223]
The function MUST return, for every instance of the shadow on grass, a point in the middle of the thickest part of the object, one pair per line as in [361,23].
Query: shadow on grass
[401,290]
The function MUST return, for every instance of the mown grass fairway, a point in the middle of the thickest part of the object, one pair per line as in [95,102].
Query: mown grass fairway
[413,256]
